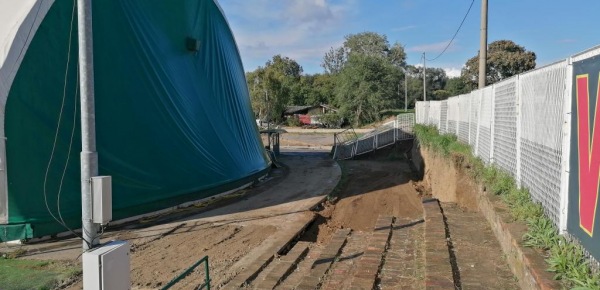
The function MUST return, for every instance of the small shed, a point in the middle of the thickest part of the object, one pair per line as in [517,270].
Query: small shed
[308,114]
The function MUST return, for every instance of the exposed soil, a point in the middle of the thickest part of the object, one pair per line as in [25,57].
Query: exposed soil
[449,181]
[224,244]
[371,188]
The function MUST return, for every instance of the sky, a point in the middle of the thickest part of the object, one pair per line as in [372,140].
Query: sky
[305,29]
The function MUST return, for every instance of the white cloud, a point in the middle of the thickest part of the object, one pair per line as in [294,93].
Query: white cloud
[452,72]
[303,30]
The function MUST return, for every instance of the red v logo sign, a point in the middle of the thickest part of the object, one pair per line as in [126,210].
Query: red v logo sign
[588,145]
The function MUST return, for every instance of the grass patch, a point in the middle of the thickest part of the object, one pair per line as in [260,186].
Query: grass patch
[33,274]
[564,258]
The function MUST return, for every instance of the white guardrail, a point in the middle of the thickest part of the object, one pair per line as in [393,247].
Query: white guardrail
[347,144]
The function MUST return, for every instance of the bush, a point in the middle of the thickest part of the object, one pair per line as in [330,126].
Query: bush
[293,121]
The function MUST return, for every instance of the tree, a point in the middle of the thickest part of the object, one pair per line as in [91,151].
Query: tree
[436,81]
[274,86]
[504,59]
[456,86]
[365,86]
[334,60]
[367,72]
[366,44]
[317,89]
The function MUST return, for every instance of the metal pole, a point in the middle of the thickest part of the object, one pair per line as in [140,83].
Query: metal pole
[89,156]
[405,91]
[424,81]
[483,44]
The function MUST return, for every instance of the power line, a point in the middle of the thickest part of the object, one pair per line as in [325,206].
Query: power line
[456,33]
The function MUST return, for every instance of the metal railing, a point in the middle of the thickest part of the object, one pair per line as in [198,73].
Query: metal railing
[347,144]
[189,271]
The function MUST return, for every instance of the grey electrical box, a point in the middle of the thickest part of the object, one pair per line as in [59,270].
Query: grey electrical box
[102,199]
[107,267]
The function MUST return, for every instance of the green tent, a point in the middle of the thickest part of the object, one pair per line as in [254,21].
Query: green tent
[173,115]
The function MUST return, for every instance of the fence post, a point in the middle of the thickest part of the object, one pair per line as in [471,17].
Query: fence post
[334,145]
[493,123]
[518,130]
[566,150]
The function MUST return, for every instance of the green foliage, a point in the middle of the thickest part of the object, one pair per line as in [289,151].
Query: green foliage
[394,112]
[541,233]
[293,121]
[440,95]
[273,87]
[365,86]
[436,79]
[504,59]
[565,259]
[331,120]
[368,73]
[33,274]
[456,86]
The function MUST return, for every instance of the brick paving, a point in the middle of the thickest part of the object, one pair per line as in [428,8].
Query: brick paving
[346,265]
[438,270]
[404,264]
[480,261]
[323,263]
[303,268]
[400,254]
[282,267]
[370,261]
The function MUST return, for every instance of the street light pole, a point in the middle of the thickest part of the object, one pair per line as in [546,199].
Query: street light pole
[89,156]
[424,80]
[405,91]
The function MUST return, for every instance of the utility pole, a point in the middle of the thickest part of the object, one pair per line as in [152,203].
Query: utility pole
[424,79]
[483,44]
[405,91]
[89,156]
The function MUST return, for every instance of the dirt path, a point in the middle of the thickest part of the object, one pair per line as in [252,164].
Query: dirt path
[372,188]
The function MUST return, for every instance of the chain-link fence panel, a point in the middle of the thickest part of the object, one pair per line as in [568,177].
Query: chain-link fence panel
[464,101]
[343,151]
[364,145]
[484,128]
[453,115]
[474,117]
[406,123]
[434,113]
[385,138]
[542,94]
[444,117]
[419,116]
[505,125]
